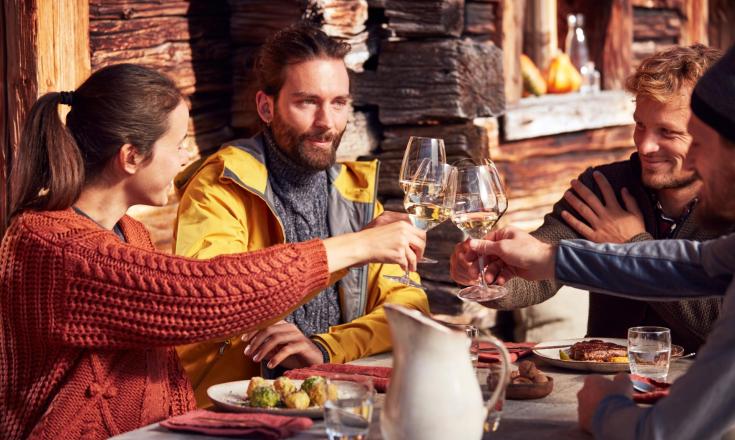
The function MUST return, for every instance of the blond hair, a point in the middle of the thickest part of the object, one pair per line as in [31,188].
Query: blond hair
[665,73]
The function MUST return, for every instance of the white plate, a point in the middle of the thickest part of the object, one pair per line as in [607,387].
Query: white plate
[551,356]
[231,396]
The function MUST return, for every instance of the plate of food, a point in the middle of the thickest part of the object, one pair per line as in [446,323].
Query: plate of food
[281,396]
[599,355]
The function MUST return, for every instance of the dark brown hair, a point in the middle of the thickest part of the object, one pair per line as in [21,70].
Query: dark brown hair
[665,73]
[293,45]
[117,105]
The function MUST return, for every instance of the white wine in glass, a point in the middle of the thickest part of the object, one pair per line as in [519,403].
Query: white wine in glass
[429,200]
[480,201]
[418,150]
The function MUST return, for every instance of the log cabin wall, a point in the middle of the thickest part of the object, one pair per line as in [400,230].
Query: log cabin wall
[437,71]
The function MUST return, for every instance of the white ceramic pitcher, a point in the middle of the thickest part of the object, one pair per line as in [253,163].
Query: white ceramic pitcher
[434,392]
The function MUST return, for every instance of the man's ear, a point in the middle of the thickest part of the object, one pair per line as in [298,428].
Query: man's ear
[264,104]
[129,159]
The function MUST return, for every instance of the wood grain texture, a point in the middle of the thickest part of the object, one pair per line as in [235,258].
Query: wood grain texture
[553,114]
[512,45]
[473,140]
[130,9]
[695,27]
[656,24]
[425,18]
[721,32]
[430,81]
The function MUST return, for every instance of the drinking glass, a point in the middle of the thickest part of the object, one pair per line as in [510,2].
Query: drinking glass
[480,201]
[417,151]
[649,351]
[429,200]
[492,374]
[348,416]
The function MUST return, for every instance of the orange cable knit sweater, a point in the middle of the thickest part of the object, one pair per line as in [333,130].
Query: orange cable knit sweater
[89,322]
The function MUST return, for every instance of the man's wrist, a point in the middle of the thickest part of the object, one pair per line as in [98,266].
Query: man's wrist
[607,404]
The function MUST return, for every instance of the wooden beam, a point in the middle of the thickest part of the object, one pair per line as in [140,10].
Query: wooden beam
[46,48]
[539,35]
[553,114]
[721,18]
[695,27]
[425,18]
[512,23]
[426,81]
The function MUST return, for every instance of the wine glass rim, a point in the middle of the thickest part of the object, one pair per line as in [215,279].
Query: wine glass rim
[425,137]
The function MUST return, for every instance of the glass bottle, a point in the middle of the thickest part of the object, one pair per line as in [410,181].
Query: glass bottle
[576,43]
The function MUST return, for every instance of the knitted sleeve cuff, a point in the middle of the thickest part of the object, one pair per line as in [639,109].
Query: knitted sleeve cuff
[323,349]
[316,273]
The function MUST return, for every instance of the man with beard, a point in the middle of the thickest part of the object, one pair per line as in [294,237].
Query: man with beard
[648,197]
[283,185]
[700,404]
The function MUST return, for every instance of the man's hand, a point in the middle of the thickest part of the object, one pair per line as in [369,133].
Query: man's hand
[608,223]
[463,264]
[388,217]
[508,252]
[282,344]
[594,390]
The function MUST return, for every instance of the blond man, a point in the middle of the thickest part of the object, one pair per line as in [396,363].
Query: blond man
[648,197]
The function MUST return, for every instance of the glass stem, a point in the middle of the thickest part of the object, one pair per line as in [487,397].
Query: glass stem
[481,262]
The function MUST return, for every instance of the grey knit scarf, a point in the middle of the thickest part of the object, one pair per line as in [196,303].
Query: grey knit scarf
[301,202]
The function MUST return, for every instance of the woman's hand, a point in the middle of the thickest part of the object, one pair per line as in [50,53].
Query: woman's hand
[397,243]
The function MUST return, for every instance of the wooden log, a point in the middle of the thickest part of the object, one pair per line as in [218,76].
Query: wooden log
[360,137]
[695,27]
[512,45]
[473,140]
[544,173]
[167,53]
[483,18]
[553,114]
[430,81]
[656,24]
[539,33]
[609,138]
[644,49]
[721,32]
[153,31]
[45,48]
[661,4]
[129,9]
[425,18]
[253,21]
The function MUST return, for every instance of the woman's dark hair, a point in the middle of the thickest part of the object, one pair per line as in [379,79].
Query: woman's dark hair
[117,105]
[293,45]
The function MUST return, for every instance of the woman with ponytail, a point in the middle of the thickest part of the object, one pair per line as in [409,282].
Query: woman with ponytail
[90,311]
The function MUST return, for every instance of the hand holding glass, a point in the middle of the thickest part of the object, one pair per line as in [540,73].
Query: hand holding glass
[418,150]
[429,200]
[480,201]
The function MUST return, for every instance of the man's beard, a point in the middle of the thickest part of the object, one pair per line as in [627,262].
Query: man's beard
[668,182]
[294,145]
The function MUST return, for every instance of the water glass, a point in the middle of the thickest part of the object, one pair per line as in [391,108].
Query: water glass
[492,380]
[473,333]
[649,351]
[348,416]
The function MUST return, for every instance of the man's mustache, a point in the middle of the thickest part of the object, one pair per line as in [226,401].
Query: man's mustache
[320,136]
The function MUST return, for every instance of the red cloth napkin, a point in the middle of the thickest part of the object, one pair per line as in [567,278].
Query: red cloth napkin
[255,425]
[661,390]
[516,350]
[379,375]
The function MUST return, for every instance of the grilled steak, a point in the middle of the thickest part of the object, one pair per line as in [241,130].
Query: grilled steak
[596,350]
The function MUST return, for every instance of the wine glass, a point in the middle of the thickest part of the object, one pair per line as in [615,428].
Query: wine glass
[419,149]
[429,200]
[480,201]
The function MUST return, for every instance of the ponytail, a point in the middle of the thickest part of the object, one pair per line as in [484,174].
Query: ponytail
[47,171]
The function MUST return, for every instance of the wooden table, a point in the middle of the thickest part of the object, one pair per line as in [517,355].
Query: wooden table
[553,417]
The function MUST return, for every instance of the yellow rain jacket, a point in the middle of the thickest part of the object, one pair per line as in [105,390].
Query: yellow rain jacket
[226,207]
